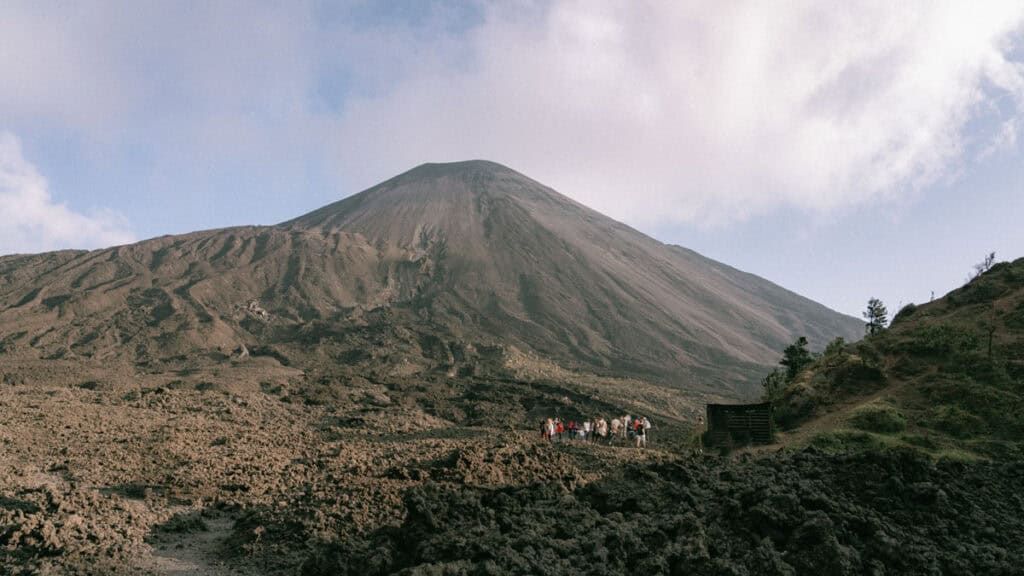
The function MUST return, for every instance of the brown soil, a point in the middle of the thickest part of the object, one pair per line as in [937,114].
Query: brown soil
[211,474]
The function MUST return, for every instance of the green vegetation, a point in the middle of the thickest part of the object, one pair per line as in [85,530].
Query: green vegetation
[774,384]
[940,340]
[881,418]
[877,317]
[852,441]
[795,358]
[905,312]
[826,381]
[835,347]
[954,421]
[951,370]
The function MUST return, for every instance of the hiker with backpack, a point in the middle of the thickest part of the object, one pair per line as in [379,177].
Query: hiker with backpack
[641,433]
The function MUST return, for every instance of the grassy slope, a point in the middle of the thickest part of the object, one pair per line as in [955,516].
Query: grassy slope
[932,381]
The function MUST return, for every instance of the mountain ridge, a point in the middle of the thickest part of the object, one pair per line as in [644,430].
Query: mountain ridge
[472,253]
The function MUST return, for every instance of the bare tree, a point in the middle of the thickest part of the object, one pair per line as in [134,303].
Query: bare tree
[984,266]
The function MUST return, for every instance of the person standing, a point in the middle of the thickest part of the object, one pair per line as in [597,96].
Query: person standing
[641,434]
[697,440]
[647,427]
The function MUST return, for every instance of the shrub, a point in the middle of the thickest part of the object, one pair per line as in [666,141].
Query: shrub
[998,411]
[795,407]
[980,291]
[942,339]
[835,347]
[909,366]
[905,312]
[857,375]
[983,370]
[955,421]
[880,418]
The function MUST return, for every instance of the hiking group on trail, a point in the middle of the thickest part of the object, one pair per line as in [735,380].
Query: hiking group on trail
[597,430]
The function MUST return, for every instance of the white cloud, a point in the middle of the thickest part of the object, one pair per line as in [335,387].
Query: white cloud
[706,111]
[651,111]
[33,222]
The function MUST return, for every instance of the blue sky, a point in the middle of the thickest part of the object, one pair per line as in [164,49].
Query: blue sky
[844,152]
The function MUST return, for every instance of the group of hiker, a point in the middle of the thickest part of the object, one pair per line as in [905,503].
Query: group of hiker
[597,430]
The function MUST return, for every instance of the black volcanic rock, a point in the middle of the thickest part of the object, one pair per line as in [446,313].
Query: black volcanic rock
[805,513]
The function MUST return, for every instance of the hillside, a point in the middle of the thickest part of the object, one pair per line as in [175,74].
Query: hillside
[355,392]
[947,378]
[446,270]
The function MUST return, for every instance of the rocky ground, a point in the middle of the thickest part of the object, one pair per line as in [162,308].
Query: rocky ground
[253,471]
[803,513]
[208,472]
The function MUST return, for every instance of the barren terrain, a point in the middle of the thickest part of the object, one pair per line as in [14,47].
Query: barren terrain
[359,391]
[208,473]
[241,469]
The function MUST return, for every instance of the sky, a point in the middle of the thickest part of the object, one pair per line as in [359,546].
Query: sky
[843,150]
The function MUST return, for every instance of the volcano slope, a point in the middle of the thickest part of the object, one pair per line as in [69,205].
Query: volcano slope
[234,401]
[439,271]
[904,456]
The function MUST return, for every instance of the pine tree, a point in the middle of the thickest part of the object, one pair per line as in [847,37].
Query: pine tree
[877,317]
[795,358]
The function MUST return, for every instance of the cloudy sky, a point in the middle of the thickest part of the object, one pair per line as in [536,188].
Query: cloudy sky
[842,149]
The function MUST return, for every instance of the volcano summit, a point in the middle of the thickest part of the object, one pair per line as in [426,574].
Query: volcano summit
[235,395]
[431,272]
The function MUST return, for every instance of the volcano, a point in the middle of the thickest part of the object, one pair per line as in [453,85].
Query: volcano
[443,271]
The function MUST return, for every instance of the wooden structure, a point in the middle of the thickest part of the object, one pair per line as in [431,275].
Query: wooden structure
[739,424]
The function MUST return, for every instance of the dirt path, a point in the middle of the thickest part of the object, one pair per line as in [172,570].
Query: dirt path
[193,553]
[824,423]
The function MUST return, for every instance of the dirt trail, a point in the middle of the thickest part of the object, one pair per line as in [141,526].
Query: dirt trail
[829,421]
[193,553]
